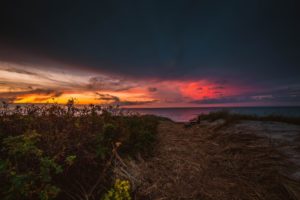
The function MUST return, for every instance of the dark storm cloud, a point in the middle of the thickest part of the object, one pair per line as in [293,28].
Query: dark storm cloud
[287,95]
[222,100]
[152,89]
[107,97]
[128,44]
[218,88]
[36,91]
[256,41]
[135,103]
[21,71]
[11,96]
[24,71]
[117,101]
[109,83]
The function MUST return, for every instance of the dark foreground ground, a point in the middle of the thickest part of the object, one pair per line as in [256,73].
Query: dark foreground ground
[56,152]
[216,160]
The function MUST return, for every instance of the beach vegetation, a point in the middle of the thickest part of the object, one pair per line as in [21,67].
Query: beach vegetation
[68,151]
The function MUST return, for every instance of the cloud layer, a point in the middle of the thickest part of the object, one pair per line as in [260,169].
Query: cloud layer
[31,84]
[151,53]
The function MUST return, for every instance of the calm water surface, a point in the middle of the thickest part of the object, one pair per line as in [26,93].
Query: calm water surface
[186,114]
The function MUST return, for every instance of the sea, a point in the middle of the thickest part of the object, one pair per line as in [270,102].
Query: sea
[180,114]
[187,114]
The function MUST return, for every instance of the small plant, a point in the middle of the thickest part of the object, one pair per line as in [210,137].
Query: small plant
[120,191]
[110,132]
[70,160]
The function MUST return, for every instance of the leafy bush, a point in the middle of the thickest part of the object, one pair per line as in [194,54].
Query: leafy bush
[65,152]
[26,170]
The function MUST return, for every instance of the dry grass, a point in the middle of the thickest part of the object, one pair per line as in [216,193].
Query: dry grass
[205,162]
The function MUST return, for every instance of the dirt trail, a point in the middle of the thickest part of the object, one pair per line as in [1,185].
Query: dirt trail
[178,153]
[207,162]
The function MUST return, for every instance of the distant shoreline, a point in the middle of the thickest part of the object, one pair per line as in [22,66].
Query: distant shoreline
[187,114]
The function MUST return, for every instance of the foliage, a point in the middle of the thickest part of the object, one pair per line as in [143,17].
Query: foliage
[28,173]
[120,191]
[70,160]
[64,152]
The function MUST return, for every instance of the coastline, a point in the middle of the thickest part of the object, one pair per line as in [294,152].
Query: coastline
[184,114]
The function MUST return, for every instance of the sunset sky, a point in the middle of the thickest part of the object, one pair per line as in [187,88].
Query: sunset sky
[151,53]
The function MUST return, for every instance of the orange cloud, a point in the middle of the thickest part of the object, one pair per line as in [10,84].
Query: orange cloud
[27,84]
[198,89]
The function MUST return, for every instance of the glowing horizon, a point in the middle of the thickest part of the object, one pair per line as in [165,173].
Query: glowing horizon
[23,84]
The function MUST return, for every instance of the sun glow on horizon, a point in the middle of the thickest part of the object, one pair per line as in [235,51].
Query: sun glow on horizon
[27,84]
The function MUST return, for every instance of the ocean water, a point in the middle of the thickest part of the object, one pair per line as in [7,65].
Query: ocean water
[186,114]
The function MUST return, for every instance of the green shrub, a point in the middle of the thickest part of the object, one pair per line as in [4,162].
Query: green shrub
[70,160]
[62,152]
[110,132]
[27,172]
